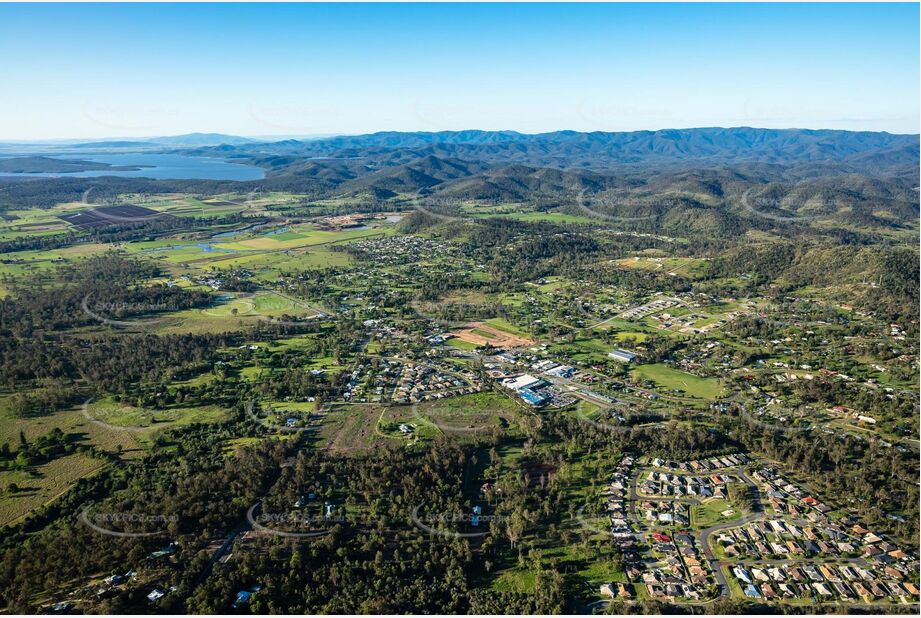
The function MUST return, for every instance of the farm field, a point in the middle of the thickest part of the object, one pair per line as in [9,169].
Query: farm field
[71,421]
[42,484]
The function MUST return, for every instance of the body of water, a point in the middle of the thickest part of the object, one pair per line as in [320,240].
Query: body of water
[205,247]
[159,166]
[248,228]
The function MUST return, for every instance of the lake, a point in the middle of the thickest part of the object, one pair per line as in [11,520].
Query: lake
[159,166]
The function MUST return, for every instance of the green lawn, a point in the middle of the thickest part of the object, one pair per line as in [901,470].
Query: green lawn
[708,513]
[667,377]
[503,324]
[460,344]
[118,414]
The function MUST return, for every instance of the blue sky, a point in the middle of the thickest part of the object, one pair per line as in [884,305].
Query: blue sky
[89,71]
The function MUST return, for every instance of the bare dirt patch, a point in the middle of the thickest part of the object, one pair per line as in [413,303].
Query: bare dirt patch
[480,333]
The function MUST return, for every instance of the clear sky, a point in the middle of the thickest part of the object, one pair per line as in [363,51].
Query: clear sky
[90,71]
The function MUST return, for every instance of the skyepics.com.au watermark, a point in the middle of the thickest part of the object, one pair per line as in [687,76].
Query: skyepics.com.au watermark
[93,418]
[774,209]
[134,116]
[435,416]
[127,524]
[456,524]
[617,209]
[123,307]
[459,518]
[102,310]
[292,424]
[294,519]
[602,422]
[593,523]
[445,210]
[286,117]
[292,524]
[774,421]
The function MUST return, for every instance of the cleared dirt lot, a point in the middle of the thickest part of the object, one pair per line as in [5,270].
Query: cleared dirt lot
[480,333]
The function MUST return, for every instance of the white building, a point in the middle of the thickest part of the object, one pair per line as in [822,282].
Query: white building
[521,382]
[622,355]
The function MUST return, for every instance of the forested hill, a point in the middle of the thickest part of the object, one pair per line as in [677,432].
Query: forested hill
[575,149]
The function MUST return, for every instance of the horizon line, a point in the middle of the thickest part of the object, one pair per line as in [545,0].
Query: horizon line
[320,136]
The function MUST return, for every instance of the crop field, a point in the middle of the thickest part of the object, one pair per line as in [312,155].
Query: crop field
[22,263]
[266,253]
[42,484]
[33,221]
[111,215]
[71,421]
[267,266]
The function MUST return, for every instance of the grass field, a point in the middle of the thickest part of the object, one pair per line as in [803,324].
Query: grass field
[468,414]
[69,421]
[350,429]
[42,484]
[585,348]
[709,513]
[262,250]
[666,377]
[550,217]
[676,266]
[230,311]
[460,344]
[114,415]
[504,325]
[635,336]
[231,306]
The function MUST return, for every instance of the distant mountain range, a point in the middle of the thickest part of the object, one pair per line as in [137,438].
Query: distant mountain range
[699,167]
[709,179]
[571,149]
[189,139]
[560,149]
